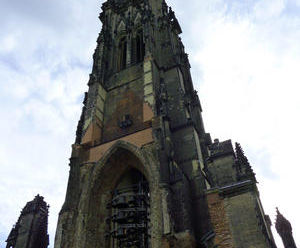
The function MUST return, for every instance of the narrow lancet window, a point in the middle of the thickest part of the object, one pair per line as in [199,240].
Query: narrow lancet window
[122,54]
[140,47]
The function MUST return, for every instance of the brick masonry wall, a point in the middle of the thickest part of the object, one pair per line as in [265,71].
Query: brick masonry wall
[219,221]
[138,139]
[118,105]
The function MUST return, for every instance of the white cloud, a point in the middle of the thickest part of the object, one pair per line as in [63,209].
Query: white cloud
[45,59]
[266,9]
[8,43]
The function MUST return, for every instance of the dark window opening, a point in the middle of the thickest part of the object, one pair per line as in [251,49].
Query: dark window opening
[138,48]
[122,54]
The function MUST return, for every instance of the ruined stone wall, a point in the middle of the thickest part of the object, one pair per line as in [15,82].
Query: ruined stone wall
[222,170]
[243,215]
[236,220]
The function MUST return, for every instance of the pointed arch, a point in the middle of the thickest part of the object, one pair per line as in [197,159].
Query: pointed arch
[137,19]
[106,175]
[121,28]
[147,160]
[121,45]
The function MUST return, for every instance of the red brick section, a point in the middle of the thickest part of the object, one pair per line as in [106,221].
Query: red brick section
[219,220]
[139,134]
[129,103]
[138,139]
[93,132]
[165,243]
[147,112]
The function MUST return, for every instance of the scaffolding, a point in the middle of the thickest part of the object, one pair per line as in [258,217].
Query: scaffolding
[130,216]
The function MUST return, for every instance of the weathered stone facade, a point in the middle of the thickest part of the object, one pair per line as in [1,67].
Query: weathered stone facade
[142,114]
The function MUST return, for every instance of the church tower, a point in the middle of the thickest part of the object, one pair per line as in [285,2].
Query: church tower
[143,171]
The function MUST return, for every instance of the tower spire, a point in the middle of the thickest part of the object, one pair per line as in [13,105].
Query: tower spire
[284,229]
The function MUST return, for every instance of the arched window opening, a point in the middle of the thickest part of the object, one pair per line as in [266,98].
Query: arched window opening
[130,212]
[122,54]
[138,48]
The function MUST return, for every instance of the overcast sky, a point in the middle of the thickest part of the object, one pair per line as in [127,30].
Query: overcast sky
[245,57]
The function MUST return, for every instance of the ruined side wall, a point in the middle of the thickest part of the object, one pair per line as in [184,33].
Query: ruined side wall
[245,222]
[237,219]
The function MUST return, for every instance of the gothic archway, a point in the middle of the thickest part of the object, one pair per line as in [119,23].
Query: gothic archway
[110,174]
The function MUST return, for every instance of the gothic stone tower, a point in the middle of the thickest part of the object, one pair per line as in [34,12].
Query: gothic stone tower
[143,171]
[30,230]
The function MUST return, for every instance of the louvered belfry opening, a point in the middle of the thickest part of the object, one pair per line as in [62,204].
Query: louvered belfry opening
[130,212]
